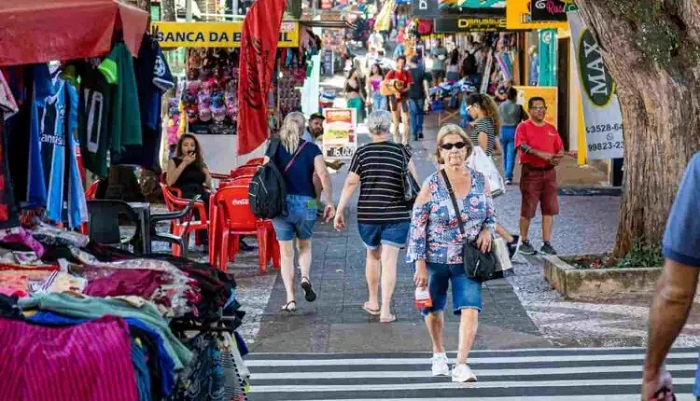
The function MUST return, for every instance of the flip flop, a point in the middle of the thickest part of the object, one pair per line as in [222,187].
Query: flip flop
[390,319]
[373,312]
[290,306]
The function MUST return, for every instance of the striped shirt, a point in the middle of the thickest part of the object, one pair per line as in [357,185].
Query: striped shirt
[484,125]
[381,168]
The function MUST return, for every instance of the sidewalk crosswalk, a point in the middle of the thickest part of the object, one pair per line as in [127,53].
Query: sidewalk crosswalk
[510,375]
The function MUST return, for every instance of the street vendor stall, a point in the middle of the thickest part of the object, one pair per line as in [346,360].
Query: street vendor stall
[209,95]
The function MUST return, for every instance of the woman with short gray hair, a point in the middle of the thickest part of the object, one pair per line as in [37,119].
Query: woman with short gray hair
[383,216]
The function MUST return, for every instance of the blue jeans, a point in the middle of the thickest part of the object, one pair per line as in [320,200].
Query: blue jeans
[415,108]
[466,293]
[508,143]
[379,102]
[300,219]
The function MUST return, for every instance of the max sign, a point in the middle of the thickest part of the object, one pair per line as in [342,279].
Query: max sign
[214,34]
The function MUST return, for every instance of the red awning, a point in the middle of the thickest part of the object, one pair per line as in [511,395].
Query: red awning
[38,31]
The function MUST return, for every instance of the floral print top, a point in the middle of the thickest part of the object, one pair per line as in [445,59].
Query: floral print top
[435,235]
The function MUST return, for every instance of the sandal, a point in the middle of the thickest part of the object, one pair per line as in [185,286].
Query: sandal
[373,312]
[309,293]
[390,319]
[290,306]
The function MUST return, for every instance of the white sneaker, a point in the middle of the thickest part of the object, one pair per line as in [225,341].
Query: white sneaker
[440,367]
[462,373]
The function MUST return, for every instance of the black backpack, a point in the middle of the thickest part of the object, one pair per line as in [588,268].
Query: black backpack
[469,66]
[266,192]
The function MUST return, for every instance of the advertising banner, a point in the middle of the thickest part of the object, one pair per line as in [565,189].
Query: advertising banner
[261,29]
[548,93]
[457,24]
[552,10]
[424,8]
[518,17]
[601,108]
[214,34]
[339,133]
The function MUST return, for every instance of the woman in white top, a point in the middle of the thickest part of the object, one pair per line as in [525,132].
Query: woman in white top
[453,66]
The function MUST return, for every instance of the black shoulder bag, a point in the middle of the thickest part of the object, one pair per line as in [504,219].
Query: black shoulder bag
[478,266]
[410,186]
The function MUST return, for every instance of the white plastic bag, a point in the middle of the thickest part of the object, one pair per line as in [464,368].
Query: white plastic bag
[485,165]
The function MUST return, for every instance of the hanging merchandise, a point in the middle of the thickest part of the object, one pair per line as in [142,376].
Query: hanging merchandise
[547,57]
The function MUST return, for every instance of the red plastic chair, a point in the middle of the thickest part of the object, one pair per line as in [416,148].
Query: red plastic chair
[175,203]
[243,171]
[255,162]
[235,219]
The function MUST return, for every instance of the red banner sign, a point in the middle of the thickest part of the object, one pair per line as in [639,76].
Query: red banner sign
[261,31]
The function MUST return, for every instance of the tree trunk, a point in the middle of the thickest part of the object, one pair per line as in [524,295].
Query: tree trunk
[167,10]
[652,50]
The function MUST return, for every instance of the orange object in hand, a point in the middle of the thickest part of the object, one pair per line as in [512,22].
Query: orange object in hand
[422,299]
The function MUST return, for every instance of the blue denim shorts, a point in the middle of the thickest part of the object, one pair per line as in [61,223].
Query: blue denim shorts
[466,293]
[300,220]
[394,234]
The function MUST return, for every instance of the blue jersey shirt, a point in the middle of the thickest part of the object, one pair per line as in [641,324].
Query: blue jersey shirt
[682,236]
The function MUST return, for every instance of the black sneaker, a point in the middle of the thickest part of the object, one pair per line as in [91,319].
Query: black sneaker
[509,182]
[526,248]
[420,136]
[547,249]
[513,246]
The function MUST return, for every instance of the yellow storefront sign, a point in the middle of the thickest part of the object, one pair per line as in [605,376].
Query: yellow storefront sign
[214,34]
[518,17]
[548,93]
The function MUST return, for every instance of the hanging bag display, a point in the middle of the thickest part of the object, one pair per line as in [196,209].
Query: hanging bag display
[479,266]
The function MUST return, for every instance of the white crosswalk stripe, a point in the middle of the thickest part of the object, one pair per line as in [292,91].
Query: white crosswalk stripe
[580,374]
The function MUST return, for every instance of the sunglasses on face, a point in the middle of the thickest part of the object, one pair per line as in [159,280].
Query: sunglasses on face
[449,146]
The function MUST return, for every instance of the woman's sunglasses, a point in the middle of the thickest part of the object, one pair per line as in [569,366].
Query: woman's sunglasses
[449,146]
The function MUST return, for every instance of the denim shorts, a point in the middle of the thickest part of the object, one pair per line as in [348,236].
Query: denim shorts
[300,220]
[394,234]
[466,293]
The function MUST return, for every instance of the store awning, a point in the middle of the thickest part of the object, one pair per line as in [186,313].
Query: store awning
[325,24]
[38,31]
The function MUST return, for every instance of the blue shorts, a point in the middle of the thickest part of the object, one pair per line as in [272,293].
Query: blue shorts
[466,293]
[394,234]
[300,220]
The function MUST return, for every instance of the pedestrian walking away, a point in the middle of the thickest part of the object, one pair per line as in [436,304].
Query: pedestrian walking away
[436,246]
[383,216]
[677,284]
[298,160]
[417,95]
[541,149]
[512,114]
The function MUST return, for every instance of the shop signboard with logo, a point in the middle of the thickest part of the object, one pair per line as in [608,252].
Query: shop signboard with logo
[339,133]
[214,34]
[466,24]
[601,108]
[548,93]
[551,10]
[519,17]
[424,8]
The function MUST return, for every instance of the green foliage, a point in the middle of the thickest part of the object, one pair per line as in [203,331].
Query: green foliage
[642,254]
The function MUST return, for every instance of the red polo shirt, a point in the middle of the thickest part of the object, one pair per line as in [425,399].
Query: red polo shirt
[403,76]
[544,138]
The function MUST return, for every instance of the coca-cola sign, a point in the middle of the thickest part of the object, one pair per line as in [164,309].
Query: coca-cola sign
[551,10]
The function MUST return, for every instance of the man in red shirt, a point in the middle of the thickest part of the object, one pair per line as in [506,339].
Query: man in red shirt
[398,103]
[541,150]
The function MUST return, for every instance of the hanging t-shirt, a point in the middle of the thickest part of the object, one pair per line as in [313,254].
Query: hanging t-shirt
[9,213]
[94,110]
[154,78]
[118,68]
[8,105]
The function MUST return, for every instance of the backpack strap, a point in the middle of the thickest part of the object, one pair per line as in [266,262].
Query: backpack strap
[289,165]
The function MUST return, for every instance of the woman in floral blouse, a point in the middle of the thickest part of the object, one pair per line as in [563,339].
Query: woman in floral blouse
[435,245]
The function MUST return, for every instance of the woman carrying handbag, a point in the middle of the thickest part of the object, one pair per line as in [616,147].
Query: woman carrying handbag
[450,241]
